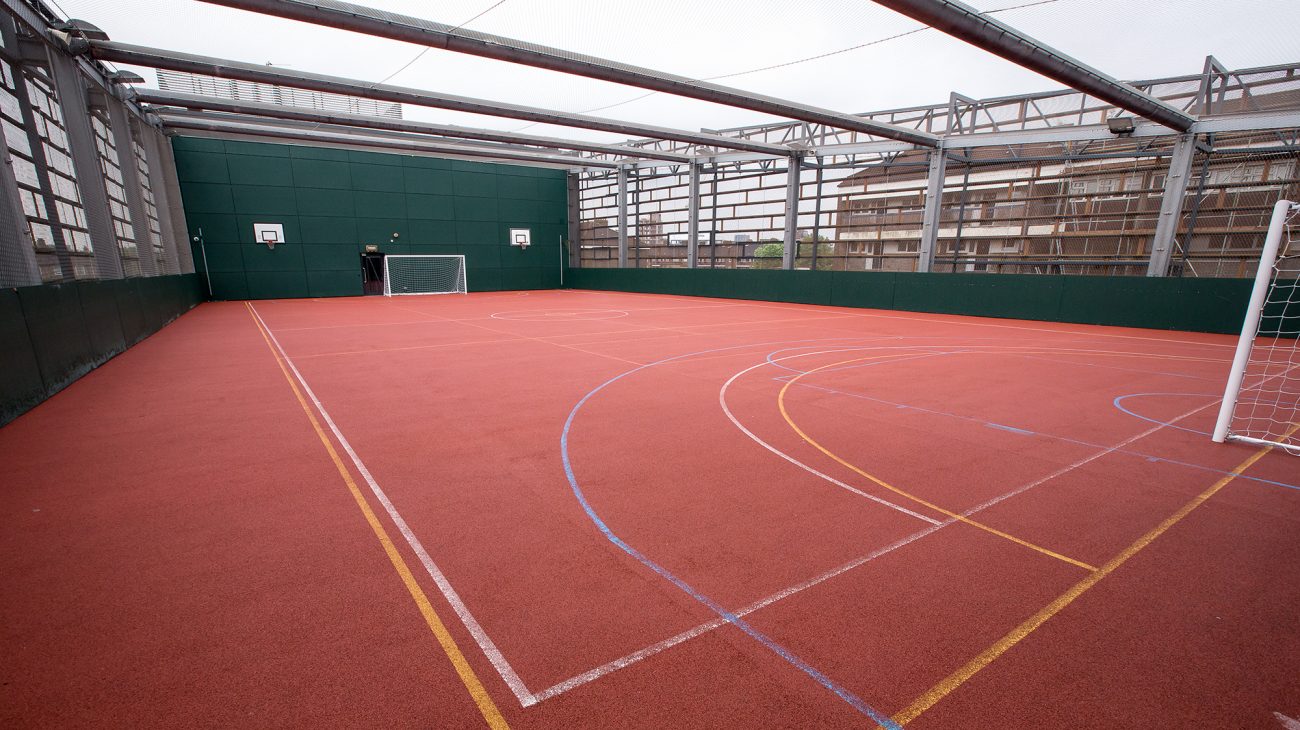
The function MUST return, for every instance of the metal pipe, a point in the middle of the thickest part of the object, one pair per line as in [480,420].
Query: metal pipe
[968,24]
[278,111]
[569,158]
[386,142]
[223,68]
[384,24]
[1048,262]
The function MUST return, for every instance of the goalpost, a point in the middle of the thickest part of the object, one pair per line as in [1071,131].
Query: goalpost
[424,274]
[1261,404]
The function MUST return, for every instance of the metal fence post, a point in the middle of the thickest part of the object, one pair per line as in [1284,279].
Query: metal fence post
[622,217]
[1171,206]
[933,207]
[575,226]
[693,226]
[792,172]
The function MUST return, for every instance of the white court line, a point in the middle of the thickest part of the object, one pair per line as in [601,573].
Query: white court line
[507,673]
[722,400]
[531,315]
[1085,330]
[485,643]
[707,626]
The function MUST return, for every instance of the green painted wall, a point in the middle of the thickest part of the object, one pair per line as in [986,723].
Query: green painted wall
[56,333]
[333,202]
[1199,305]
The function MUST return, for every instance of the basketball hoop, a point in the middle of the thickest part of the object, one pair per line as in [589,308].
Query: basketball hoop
[269,233]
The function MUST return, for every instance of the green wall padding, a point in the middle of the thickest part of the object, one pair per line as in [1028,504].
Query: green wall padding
[1197,305]
[22,386]
[333,203]
[56,333]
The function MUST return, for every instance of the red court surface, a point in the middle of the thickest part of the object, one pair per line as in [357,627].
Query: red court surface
[578,509]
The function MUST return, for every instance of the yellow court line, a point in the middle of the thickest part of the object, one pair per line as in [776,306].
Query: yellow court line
[780,400]
[986,657]
[467,676]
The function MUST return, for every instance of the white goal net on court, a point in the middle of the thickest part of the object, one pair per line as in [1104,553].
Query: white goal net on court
[414,274]
[1261,404]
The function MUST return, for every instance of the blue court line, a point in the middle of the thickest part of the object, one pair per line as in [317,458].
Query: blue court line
[1117,367]
[1118,403]
[1067,439]
[729,617]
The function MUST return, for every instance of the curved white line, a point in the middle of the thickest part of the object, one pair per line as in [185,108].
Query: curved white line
[722,401]
[712,624]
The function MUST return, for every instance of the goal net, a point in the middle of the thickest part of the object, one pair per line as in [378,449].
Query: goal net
[410,274]
[1261,404]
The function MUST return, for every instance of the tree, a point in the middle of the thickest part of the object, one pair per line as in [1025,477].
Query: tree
[768,255]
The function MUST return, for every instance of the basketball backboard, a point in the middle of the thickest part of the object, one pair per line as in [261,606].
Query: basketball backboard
[268,233]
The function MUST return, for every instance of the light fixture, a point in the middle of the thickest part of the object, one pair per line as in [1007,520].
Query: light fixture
[1122,126]
[81,28]
[125,77]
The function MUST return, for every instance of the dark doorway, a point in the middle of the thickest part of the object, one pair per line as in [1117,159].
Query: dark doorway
[372,273]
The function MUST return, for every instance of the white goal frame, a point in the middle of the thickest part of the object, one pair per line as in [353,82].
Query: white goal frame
[459,284]
[1250,331]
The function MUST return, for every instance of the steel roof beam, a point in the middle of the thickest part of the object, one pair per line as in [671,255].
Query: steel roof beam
[371,21]
[279,111]
[290,124]
[966,23]
[341,137]
[222,68]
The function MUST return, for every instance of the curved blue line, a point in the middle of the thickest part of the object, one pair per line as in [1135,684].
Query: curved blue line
[1120,399]
[713,605]
[1055,437]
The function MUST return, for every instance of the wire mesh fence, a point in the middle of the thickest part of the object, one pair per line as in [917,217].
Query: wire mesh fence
[1079,206]
[78,163]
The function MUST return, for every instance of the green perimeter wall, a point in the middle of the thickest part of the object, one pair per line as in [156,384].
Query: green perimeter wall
[55,333]
[1198,305]
[333,202]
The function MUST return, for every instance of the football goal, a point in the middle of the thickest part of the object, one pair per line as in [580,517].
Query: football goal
[421,274]
[1261,404]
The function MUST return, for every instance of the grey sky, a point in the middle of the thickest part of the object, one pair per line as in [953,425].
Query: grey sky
[1127,38]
